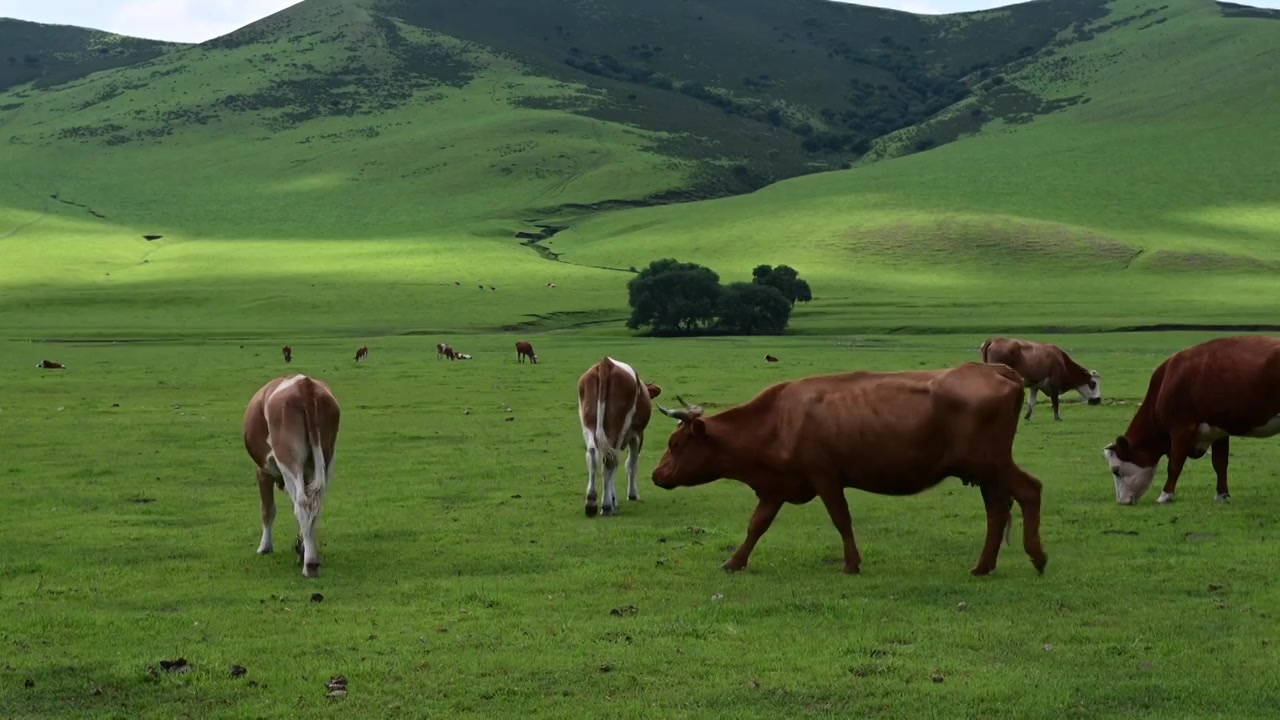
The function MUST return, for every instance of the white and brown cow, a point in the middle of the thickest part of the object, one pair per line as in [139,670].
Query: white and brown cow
[1196,401]
[290,431]
[614,407]
[1046,367]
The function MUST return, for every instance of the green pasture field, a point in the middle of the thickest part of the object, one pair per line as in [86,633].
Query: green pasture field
[462,579]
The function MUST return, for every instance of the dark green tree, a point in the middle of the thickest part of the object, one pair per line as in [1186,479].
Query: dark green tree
[785,279]
[673,297]
[753,308]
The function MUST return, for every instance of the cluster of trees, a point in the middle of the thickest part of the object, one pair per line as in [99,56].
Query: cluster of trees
[670,297]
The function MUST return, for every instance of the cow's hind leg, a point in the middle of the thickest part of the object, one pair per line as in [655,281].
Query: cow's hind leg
[295,484]
[609,504]
[995,495]
[593,465]
[633,464]
[1031,402]
[1221,455]
[1026,490]
[266,496]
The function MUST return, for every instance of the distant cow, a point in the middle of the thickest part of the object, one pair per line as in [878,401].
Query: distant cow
[51,365]
[462,356]
[445,350]
[889,433]
[1043,367]
[614,406]
[551,285]
[362,353]
[770,358]
[287,352]
[290,431]
[522,349]
[1196,401]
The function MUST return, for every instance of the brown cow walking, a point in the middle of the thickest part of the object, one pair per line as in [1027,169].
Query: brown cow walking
[290,431]
[287,352]
[1043,367]
[445,350]
[362,353]
[1196,401]
[614,407]
[522,349]
[889,433]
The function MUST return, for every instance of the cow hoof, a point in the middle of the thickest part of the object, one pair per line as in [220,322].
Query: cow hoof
[852,569]
[732,567]
[608,510]
[1224,497]
[1165,498]
[591,511]
[1058,419]
[311,570]
[1039,562]
[633,498]
[981,570]
[266,550]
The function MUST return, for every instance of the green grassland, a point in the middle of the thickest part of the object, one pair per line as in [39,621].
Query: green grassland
[461,578]
[356,172]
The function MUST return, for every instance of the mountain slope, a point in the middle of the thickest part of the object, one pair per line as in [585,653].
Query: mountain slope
[1133,148]
[48,55]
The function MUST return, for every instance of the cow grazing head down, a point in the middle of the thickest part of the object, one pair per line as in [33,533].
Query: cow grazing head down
[1131,472]
[1092,390]
[690,458]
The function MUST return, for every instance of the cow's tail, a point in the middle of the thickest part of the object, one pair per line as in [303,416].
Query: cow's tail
[983,350]
[313,492]
[610,453]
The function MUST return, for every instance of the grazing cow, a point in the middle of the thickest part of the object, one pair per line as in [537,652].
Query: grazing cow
[1043,367]
[522,349]
[1196,401]
[51,365]
[551,285]
[445,350]
[362,353]
[888,433]
[614,406]
[287,352]
[290,431]
[770,358]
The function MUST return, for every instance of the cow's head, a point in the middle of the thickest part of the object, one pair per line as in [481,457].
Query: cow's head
[691,451]
[1092,390]
[1131,471]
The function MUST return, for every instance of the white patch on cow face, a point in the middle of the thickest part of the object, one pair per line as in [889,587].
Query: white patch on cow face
[1092,395]
[1132,481]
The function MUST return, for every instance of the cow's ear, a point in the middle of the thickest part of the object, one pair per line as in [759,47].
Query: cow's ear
[1120,445]
[654,390]
[698,427]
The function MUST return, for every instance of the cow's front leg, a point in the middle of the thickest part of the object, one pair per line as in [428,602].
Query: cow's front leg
[766,510]
[1053,399]
[1177,458]
[633,464]
[838,508]
[1031,402]
[1221,452]
[266,496]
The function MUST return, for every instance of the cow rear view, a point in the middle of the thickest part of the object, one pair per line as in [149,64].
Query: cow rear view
[614,407]
[291,433]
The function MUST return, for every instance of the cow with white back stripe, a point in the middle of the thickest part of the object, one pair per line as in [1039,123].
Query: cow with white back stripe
[290,431]
[614,407]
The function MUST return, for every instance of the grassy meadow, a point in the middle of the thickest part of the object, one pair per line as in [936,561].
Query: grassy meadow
[461,578]
[355,172]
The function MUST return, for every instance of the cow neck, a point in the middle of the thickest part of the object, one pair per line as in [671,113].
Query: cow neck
[1144,432]
[746,440]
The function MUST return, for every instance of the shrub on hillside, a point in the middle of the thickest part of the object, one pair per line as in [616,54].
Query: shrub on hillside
[676,298]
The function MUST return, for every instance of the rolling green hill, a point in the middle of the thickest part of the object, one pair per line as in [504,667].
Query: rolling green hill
[1063,163]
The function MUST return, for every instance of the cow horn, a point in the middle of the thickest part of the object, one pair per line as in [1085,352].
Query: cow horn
[686,413]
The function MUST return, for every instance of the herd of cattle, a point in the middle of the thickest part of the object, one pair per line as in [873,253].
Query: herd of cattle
[890,433]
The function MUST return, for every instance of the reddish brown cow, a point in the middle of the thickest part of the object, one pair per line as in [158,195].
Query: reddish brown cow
[290,431]
[1043,367]
[522,349]
[1196,401]
[362,353]
[287,352]
[51,365]
[444,349]
[614,406]
[889,433]
[770,358]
